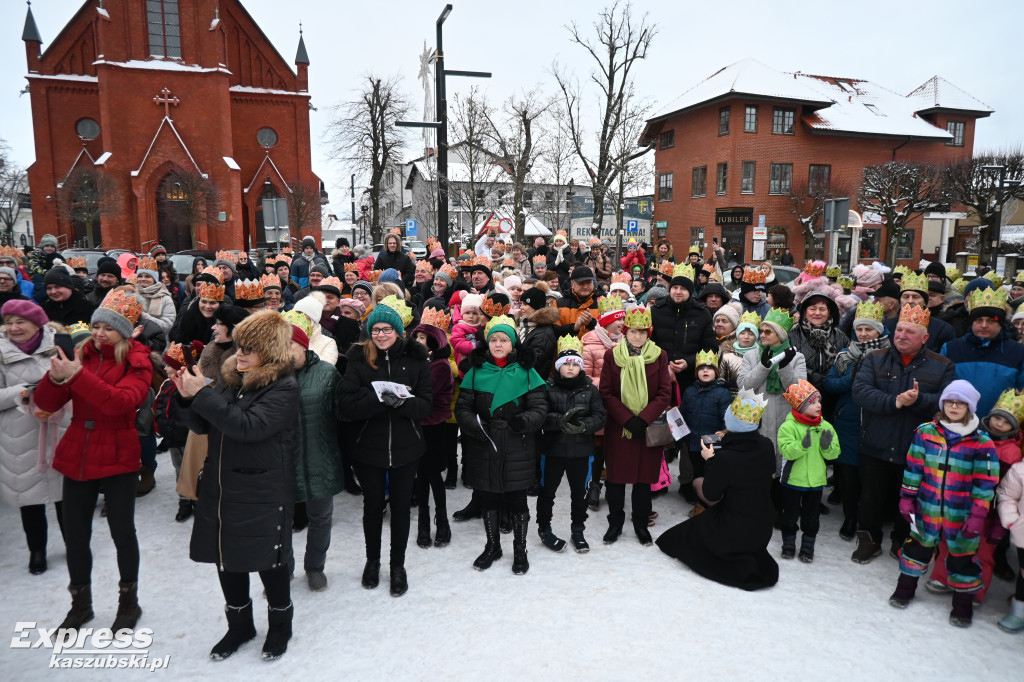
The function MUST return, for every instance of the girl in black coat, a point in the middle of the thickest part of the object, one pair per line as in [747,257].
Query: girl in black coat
[387,437]
[243,516]
[501,405]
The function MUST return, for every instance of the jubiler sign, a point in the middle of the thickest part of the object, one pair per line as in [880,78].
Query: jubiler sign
[734,216]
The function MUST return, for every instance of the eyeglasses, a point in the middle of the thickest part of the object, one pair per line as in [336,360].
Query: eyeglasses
[245,350]
[766,332]
[955,403]
[382,331]
[6,279]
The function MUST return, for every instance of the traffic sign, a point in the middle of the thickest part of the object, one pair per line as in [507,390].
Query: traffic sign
[661,224]
[632,226]
[410,227]
[761,220]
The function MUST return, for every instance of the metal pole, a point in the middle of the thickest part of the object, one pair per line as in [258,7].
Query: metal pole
[999,219]
[441,105]
[353,205]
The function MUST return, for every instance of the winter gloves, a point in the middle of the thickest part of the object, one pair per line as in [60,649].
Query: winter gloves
[826,439]
[391,400]
[636,426]
[787,356]
[766,356]
[568,424]
[907,508]
[517,423]
[975,523]
[805,443]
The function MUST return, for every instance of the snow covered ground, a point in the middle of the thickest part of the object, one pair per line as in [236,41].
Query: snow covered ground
[621,612]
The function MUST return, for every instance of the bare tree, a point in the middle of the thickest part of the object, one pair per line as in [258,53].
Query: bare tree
[634,172]
[970,183]
[196,199]
[87,195]
[512,137]
[303,206]
[618,44]
[13,185]
[556,167]
[363,136]
[475,190]
[807,203]
[897,192]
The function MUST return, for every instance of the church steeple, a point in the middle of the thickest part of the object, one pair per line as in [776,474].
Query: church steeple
[31,32]
[300,55]
[302,63]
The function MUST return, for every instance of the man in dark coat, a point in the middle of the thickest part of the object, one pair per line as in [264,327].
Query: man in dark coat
[682,327]
[914,291]
[108,276]
[392,257]
[306,260]
[64,304]
[577,310]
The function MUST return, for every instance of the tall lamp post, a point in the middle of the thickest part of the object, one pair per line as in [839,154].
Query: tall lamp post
[441,125]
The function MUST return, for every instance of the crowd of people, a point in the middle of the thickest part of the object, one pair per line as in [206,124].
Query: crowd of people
[893,396]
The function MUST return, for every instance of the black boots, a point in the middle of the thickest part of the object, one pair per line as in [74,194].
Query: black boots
[807,548]
[423,527]
[550,540]
[579,543]
[848,531]
[492,550]
[444,531]
[240,630]
[469,512]
[789,545]
[371,574]
[128,610]
[81,607]
[594,495]
[963,610]
[185,509]
[399,581]
[279,631]
[37,561]
[642,534]
[520,524]
[615,522]
[906,586]
[504,521]
[867,548]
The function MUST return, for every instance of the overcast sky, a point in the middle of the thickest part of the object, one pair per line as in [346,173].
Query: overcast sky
[896,44]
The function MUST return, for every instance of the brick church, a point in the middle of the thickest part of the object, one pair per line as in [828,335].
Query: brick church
[152,95]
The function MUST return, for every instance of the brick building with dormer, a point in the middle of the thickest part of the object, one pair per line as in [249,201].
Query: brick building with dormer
[140,90]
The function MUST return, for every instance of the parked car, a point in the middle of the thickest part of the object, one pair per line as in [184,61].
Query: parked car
[182,261]
[91,256]
[785,274]
[419,249]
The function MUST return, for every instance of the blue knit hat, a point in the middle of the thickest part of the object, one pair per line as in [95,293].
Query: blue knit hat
[390,275]
[385,315]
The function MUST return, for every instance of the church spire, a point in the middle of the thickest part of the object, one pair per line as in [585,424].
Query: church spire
[31,32]
[301,57]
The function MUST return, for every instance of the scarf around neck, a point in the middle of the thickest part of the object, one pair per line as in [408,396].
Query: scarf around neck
[506,384]
[856,352]
[634,375]
[961,429]
[773,384]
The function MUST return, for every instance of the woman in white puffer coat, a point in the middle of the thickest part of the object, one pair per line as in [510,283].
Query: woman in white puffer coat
[26,478]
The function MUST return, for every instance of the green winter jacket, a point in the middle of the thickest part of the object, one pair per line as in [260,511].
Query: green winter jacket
[804,457]
[318,471]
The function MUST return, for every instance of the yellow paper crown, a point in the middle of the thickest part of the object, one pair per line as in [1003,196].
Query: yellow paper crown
[915,314]
[224,254]
[798,393]
[754,275]
[913,282]
[492,308]
[270,282]
[706,359]
[986,298]
[902,271]
[695,249]
[78,263]
[997,280]
[621,278]
[400,307]
[126,306]
[248,290]
[953,273]
[374,276]
[499,320]
[833,272]
[683,270]
[1011,402]
[638,318]
[300,320]
[570,344]
[869,310]
[147,263]
[608,304]
[748,406]
[210,291]
[846,283]
[780,317]
[750,317]
[815,268]
[436,317]
[79,328]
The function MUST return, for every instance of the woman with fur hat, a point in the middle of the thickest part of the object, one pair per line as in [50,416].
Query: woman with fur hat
[106,380]
[243,517]
[817,335]
[388,439]
[726,319]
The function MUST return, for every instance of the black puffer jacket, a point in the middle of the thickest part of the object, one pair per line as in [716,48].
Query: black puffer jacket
[399,261]
[682,329]
[510,463]
[382,436]
[541,338]
[564,395]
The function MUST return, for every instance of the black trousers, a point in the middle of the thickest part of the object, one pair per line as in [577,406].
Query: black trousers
[597,461]
[880,492]
[640,499]
[1019,594]
[395,485]
[511,501]
[802,505]
[276,581]
[848,482]
[33,520]
[79,507]
[577,470]
[428,473]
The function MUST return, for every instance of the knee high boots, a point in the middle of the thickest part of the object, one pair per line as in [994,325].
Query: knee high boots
[520,524]
[492,550]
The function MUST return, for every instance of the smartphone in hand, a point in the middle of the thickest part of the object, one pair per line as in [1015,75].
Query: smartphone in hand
[66,344]
[190,361]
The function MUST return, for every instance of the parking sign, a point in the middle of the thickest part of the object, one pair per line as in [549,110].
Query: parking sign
[632,226]
[410,227]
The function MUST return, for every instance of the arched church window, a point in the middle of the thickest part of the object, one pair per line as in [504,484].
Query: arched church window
[87,129]
[164,28]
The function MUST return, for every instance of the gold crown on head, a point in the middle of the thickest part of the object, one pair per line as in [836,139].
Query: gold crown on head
[986,298]
[374,276]
[400,307]
[996,279]
[833,272]
[754,275]
[638,318]
[694,249]
[750,317]
[683,270]
[79,328]
[147,263]
[248,290]
[1011,402]
[210,291]
[797,394]
[436,317]
[815,268]
[126,306]
[300,320]
[492,308]
[914,282]
[78,263]
[846,283]
[351,267]
[621,278]
[748,406]
[608,304]
[708,358]
[570,344]
[915,314]
[270,282]
[495,321]
[224,254]
[953,273]
[869,310]
[902,271]
[666,268]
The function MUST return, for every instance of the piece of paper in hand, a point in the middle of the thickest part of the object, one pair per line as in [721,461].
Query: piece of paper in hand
[401,390]
[778,358]
[676,424]
[481,424]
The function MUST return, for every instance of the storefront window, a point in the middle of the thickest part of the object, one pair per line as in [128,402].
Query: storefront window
[905,245]
[696,237]
[778,242]
[870,239]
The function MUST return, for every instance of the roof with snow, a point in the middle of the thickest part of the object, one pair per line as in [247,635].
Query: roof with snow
[832,105]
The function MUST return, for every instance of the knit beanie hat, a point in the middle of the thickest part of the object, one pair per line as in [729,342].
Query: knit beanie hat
[311,306]
[730,313]
[390,275]
[443,276]
[108,266]
[512,281]
[936,268]
[471,301]
[534,298]
[230,316]
[9,272]
[228,263]
[28,310]
[119,310]
[321,268]
[355,305]
[961,390]
[383,314]
[48,240]
[59,276]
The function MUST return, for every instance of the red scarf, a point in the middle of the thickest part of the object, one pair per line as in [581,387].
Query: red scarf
[806,421]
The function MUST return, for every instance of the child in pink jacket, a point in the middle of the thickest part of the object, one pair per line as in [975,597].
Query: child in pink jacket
[464,333]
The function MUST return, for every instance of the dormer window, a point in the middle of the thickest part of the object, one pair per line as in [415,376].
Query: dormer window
[164,29]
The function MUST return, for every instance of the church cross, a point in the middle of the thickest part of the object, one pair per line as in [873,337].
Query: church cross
[167,101]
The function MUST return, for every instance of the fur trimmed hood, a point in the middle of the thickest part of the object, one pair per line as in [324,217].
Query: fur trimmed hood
[544,316]
[270,336]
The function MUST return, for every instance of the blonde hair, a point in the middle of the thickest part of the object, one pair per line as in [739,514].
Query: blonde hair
[121,348]
[385,289]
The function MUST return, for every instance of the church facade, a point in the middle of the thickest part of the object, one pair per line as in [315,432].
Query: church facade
[184,118]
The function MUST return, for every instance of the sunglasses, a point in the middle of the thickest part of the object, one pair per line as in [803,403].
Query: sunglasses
[245,350]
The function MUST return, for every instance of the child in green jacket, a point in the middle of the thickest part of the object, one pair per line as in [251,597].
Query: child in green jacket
[805,441]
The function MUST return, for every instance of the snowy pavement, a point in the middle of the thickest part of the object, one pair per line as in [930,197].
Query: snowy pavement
[621,612]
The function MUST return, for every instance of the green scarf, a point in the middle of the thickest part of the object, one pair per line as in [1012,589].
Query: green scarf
[506,383]
[634,376]
[773,384]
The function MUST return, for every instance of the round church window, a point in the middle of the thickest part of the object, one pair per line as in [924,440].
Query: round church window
[266,137]
[87,129]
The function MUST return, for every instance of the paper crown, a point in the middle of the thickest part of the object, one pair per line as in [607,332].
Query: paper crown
[748,406]
[570,344]
[638,318]
[694,249]
[706,359]
[127,307]
[331,282]
[915,314]
[147,263]
[78,330]
[11,252]
[399,306]
[270,282]
[436,317]
[374,275]
[750,317]
[282,257]
[901,271]
[224,254]
[913,282]
[621,278]
[210,291]
[780,317]
[1011,402]
[175,355]
[300,320]
[754,275]
[508,263]
[953,273]
[833,272]
[797,394]
[498,246]
[424,265]
[593,240]
[395,230]
[213,271]
[449,270]
[666,268]
[608,304]
[869,310]
[492,308]
[814,268]
[986,298]
[960,284]
[499,320]
[540,259]
[132,278]
[248,291]
[482,261]
[683,270]
[78,263]
[997,280]
[351,267]
[562,233]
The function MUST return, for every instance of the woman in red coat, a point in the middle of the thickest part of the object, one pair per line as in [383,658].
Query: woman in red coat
[106,381]
[635,387]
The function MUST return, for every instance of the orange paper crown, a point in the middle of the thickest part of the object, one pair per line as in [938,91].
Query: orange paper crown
[281,257]
[797,394]
[126,306]
[449,270]
[11,252]
[562,233]
[213,271]
[666,268]
[374,275]
[248,290]
[540,259]
[754,275]
[351,267]
[210,291]
[436,317]
[491,308]
[594,241]
[621,277]
[485,261]
[224,254]
[78,263]
[508,262]
[915,314]
[815,268]
[131,279]
[147,263]
[395,230]
[270,282]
